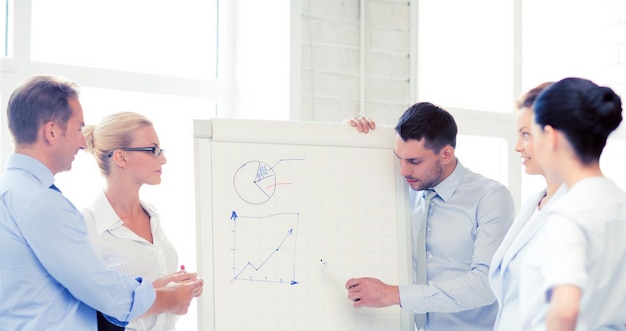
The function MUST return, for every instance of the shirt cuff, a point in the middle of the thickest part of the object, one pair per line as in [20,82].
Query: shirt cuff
[412,298]
[144,299]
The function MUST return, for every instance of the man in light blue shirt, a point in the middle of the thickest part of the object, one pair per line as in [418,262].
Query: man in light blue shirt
[467,219]
[51,278]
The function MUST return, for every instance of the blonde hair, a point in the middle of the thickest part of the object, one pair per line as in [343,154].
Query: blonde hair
[113,132]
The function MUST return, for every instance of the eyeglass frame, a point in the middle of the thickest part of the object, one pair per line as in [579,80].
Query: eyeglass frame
[152,150]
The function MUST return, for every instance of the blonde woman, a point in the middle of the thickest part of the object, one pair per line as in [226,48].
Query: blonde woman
[126,230]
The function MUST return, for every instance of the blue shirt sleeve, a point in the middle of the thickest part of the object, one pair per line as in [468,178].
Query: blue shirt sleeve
[57,234]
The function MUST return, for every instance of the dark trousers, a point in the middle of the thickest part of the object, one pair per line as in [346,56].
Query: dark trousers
[105,325]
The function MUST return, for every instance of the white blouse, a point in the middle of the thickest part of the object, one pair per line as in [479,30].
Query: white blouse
[581,244]
[128,253]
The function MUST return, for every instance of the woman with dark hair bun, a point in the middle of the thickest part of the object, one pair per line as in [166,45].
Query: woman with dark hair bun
[572,277]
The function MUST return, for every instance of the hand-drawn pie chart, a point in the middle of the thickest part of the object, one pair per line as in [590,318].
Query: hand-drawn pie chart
[255,182]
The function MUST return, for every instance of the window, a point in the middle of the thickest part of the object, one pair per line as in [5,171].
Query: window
[475,58]
[147,36]
[148,65]
[5,32]
[483,155]
[465,49]
[613,160]
[582,40]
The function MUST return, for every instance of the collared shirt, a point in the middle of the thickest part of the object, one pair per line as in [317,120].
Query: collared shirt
[580,244]
[128,253]
[504,273]
[51,277]
[467,221]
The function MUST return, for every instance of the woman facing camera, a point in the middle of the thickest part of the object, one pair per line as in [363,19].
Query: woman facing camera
[572,276]
[125,230]
[504,273]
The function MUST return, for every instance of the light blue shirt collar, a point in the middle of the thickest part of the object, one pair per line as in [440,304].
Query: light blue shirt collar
[448,186]
[32,165]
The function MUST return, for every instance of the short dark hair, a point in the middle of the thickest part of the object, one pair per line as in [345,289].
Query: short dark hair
[425,120]
[37,100]
[585,112]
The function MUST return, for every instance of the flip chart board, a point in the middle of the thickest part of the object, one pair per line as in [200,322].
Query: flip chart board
[276,198]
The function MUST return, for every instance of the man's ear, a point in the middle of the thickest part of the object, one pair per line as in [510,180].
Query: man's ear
[447,154]
[50,131]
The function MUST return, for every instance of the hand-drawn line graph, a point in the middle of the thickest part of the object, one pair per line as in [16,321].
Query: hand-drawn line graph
[264,248]
[255,181]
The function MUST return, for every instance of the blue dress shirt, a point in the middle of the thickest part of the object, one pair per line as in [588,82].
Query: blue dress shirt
[51,278]
[466,223]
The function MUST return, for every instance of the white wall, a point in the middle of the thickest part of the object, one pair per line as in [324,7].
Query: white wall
[354,59]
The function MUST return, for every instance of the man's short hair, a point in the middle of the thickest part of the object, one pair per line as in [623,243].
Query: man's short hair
[425,120]
[38,100]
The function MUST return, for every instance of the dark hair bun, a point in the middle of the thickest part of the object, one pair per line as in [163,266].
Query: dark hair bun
[603,108]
